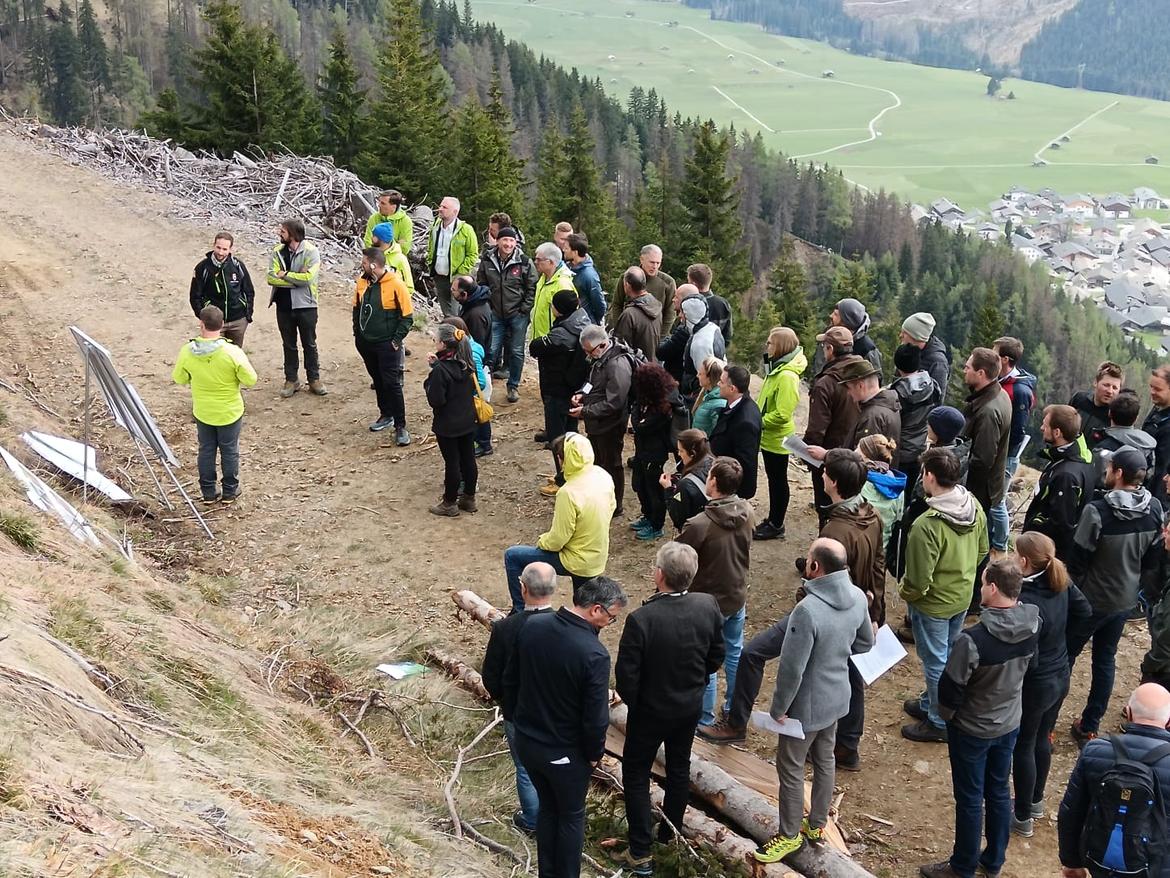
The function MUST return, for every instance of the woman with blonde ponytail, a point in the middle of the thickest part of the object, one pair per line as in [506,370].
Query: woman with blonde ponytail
[1061,604]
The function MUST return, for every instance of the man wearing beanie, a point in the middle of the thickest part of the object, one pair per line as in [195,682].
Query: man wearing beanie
[918,330]
[383,238]
[640,323]
[851,315]
[511,278]
[919,395]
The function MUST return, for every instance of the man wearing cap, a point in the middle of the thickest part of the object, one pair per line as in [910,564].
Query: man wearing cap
[918,330]
[1117,538]
[510,276]
[832,412]
[851,315]
[390,211]
[383,238]
[879,412]
[640,323]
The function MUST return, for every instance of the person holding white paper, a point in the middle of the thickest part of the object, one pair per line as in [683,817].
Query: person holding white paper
[812,685]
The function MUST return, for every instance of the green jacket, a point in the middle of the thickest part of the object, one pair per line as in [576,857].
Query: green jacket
[464,248]
[546,288]
[707,409]
[778,397]
[403,228]
[301,279]
[215,368]
[943,551]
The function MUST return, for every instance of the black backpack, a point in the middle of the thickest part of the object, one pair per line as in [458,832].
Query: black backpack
[1125,831]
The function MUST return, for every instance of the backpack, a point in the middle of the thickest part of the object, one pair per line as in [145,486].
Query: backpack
[1125,831]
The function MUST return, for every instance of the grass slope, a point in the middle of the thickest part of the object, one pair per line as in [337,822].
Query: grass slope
[941,135]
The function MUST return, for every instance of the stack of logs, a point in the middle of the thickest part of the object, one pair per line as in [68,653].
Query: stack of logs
[741,806]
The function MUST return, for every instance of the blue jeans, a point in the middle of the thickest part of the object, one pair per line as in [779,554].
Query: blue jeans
[980,768]
[733,646]
[518,323]
[525,791]
[932,640]
[516,558]
[1105,630]
[999,524]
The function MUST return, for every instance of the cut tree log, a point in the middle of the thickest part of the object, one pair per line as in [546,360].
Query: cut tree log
[476,607]
[466,675]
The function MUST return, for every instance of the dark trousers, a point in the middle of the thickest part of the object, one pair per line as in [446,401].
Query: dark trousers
[459,465]
[301,322]
[820,496]
[607,454]
[560,787]
[1032,757]
[483,435]
[234,331]
[1105,630]
[644,735]
[385,366]
[226,441]
[447,304]
[980,770]
[651,497]
[776,468]
[557,423]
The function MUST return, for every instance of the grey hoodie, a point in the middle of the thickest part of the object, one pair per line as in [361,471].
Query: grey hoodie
[1114,439]
[828,625]
[919,395]
[979,692]
[1117,538]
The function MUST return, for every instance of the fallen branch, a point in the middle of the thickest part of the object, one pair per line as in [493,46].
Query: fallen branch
[467,676]
[353,728]
[449,787]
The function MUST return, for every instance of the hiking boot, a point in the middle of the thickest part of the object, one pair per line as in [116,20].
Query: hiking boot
[499,373]
[228,499]
[317,388]
[484,451]
[925,733]
[290,387]
[767,531]
[847,759]
[913,707]
[640,523]
[938,870]
[212,499]
[466,502]
[513,394]
[1080,735]
[648,534]
[721,732]
[1022,828]
[540,436]
[777,848]
[905,633]
[402,437]
[450,510]
[518,822]
[636,865]
[982,871]
[381,424]
[550,490]
[815,835]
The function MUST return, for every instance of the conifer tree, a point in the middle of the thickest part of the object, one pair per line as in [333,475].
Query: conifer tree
[342,103]
[64,92]
[988,324]
[788,289]
[93,60]
[489,176]
[553,184]
[658,215]
[404,143]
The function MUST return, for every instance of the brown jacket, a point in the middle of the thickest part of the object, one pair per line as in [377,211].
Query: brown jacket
[722,535]
[988,430]
[661,287]
[856,525]
[881,415]
[832,415]
[640,325]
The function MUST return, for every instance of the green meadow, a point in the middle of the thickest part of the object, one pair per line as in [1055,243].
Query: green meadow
[939,134]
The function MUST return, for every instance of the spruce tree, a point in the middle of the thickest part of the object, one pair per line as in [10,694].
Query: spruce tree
[406,137]
[342,103]
[590,207]
[710,201]
[658,215]
[988,324]
[554,199]
[788,289]
[64,92]
[488,174]
[93,59]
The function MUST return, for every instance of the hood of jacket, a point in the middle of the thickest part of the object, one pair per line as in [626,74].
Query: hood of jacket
[884,399]
[1077,450]
[205,347]
[479,295]
[1129,504]
[854,511]
[1133,437]
[728,512]
[651,306]
[1011,624]
[575,323]
[795,362]
[890,483]
[915,388]
[956,507]
[585,263]
[835,589]
[1022,378]
[578,454]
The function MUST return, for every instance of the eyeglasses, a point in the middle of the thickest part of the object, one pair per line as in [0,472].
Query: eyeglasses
[612,617]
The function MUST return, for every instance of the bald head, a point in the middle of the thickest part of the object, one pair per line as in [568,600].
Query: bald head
[825,556]
[538,581]
[1150,706]
[683,291]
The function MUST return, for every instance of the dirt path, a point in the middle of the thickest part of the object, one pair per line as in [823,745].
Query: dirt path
[334,514]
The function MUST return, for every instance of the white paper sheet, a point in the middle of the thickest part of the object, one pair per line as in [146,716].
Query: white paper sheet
[790,727]
[887,651]
[401,670]
[796,445]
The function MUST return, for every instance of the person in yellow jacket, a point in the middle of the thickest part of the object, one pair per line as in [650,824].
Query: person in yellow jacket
[395,259]
[577,542]
[216,369]
[553,276]
[390,211]
[785,362]
[452,250]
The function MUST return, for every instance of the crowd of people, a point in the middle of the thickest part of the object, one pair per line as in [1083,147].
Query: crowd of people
[907,489]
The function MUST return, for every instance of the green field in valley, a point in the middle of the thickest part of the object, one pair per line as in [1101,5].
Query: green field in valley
[919,131]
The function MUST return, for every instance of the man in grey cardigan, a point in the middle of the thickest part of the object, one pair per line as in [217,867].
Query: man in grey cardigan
[812,685]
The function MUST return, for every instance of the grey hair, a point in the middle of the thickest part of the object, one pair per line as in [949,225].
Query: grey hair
[458,206]
[549,250]
[679,563]
[650,248]
[599,590]
[1150,705]
[594,334]
[540,579]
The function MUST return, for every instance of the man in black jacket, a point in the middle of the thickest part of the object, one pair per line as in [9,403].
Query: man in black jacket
[669,647]
[718,308]
[538,581]
[1067,482]
[1093,405]
[1144,732]
[222,280]
[737,431]
[475,309]
[1157,424]
[558,681]
[918,330]
[511,276]
[563,369]
[605,408]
